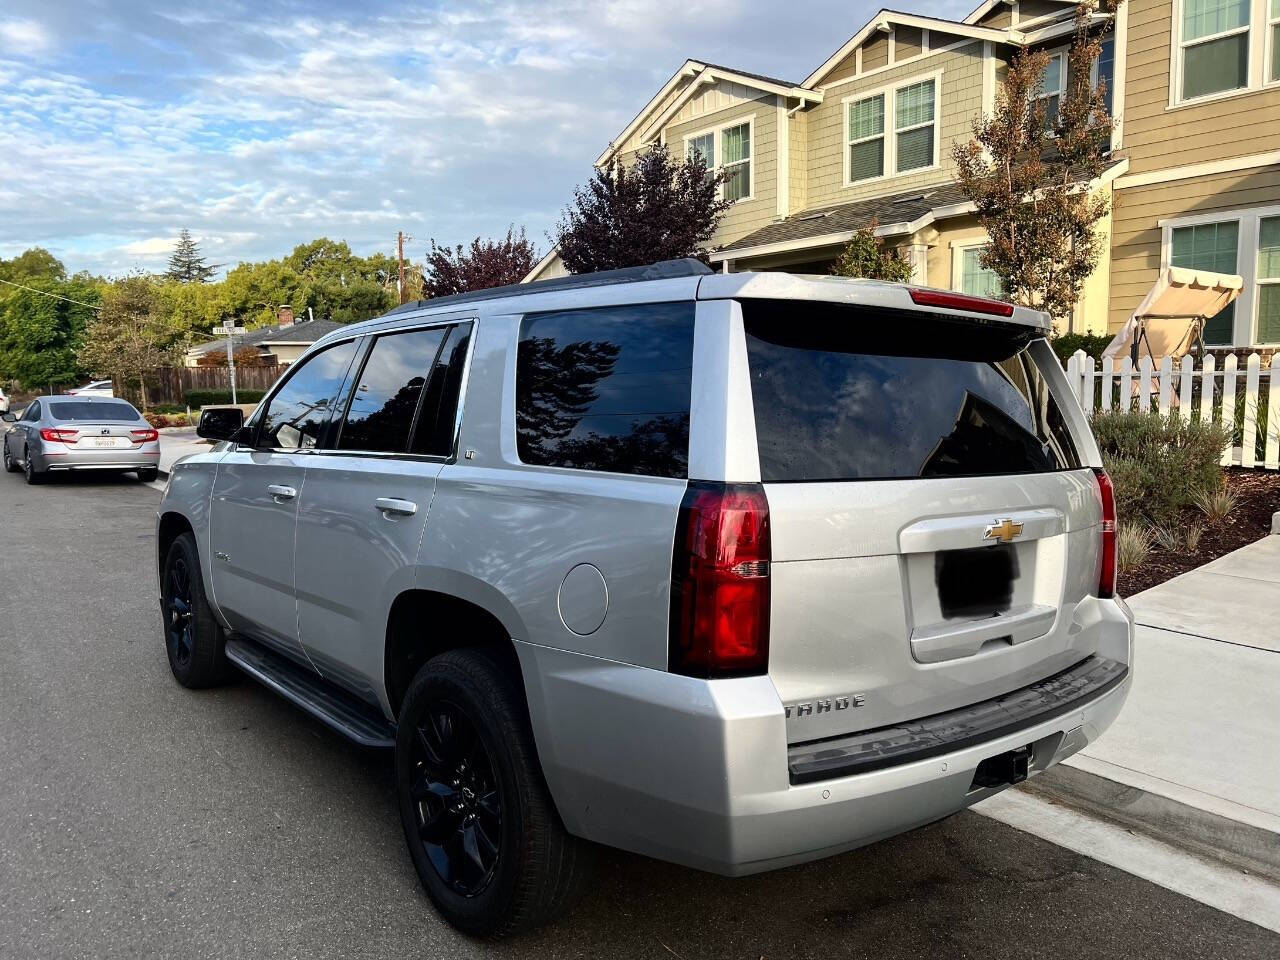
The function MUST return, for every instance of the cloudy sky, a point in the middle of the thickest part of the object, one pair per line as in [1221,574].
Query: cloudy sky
[265,124]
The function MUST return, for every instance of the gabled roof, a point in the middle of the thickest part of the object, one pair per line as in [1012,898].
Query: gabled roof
[699,72]
[306,331]
[988,5]
[887,17]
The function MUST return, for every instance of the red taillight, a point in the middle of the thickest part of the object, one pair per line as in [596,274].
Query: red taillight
[54,435]
[720,582]
[961,301]
[144,436]
[1107,576]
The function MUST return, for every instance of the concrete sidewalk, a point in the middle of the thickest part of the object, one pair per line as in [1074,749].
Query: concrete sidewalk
[175,444]
[1195,754]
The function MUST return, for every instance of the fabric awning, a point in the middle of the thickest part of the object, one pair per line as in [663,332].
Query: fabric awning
[1171,312]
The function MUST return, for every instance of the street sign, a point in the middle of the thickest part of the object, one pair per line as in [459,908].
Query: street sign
[227,331]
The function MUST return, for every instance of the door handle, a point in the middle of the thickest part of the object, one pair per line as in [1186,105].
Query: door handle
[390,506]
[280,492]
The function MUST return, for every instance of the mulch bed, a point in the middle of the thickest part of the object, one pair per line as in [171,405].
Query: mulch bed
[1259,493]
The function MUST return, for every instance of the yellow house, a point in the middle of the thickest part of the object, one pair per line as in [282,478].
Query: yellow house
[1201,131]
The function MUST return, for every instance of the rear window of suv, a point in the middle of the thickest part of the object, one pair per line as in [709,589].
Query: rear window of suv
[846,393]
[606,389]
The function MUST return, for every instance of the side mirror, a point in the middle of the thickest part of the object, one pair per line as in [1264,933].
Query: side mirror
[9,417]
[220,423]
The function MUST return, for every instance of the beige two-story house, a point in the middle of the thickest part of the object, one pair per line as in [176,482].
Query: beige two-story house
[1201,131]
[867,137]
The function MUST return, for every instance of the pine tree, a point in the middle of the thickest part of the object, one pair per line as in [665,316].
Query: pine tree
[186,265]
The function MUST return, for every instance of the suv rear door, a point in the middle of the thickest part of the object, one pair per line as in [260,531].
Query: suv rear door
[934,528]
[367,495]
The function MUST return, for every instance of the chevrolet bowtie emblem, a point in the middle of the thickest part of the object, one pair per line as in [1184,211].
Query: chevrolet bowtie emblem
[1003,531]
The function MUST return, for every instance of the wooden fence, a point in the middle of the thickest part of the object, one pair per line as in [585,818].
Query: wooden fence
[1245,401]
[170,384]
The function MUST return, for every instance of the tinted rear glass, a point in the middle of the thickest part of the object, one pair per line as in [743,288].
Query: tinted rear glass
[387,392]
[843,394]
[95,411]
[606,389]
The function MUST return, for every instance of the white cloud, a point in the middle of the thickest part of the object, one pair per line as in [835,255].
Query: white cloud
[261,129]
[24,37]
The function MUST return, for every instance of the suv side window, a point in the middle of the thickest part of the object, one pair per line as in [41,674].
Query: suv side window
[389,391]
[606,389]
[296,416]
[434,434]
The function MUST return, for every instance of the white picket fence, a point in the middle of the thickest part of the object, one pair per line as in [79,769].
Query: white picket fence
[1182,389]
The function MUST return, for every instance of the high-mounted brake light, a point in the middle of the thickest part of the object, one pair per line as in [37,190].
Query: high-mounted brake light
[54,435]
[1107,573]
[961,301]
[719,624]
[145,436]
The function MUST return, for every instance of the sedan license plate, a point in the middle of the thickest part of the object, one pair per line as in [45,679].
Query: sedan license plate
[106,442]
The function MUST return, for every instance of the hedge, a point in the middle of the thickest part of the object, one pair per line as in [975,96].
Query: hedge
[1157,463]
[207,398]
[1065,344]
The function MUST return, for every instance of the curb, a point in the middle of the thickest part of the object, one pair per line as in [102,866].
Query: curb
[1253,849]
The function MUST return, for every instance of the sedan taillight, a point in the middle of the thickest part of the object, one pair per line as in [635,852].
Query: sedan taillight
[145,436]
[54,435]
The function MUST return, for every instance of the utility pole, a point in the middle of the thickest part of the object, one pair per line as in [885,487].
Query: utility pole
[400,239]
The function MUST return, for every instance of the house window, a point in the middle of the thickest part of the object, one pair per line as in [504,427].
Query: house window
[1052,85]
[1269,280]
[1214,46]
[975,279]
[1104,70]
[1210,246]
[704,147]
[1273,33]
[914,127]
[730,149]
[866,138]
[735,146]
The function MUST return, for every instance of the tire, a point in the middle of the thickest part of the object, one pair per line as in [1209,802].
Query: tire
[194,640]
[464,707]
[9,465]
[148,474]
[32,475]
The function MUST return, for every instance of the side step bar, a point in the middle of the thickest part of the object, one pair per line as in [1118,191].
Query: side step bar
[349,715]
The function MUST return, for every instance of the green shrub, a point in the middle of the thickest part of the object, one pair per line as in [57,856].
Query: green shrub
[1159,464]
[1066,344]
[207,398]
[168,408]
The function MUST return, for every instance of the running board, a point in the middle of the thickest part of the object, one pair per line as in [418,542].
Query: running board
[350,716]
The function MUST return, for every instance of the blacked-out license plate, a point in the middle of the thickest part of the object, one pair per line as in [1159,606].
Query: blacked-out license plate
[977,582]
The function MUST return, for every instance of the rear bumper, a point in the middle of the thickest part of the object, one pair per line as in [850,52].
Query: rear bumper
[696,772]
[142,457]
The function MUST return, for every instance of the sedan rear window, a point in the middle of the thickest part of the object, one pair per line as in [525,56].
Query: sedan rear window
[86,410]
[856,394]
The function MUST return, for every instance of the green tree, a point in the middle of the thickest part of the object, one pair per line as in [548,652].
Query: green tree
[186,265]
[866,255]
[41,326]
[126,341]
[660,209]
[1024,171]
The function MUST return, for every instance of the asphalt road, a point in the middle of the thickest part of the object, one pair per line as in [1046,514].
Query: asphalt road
[139,819]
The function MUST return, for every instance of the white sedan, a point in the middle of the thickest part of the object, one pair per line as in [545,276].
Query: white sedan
[98,388]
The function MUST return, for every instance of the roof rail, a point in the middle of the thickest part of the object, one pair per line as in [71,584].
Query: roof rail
[662,270]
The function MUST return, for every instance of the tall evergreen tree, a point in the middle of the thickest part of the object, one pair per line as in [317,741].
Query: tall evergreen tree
[187,265]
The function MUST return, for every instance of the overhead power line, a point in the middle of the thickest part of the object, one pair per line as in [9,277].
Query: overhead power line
[46,293]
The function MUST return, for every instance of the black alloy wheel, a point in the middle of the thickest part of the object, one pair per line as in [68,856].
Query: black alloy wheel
[28,471]
[179,611]
[9,465]
[456,797]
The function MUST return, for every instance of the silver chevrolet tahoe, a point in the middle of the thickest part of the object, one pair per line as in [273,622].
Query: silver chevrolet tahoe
[733,570]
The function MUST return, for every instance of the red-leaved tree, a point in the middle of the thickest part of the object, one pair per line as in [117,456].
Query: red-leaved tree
[484,264]
[659,209]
